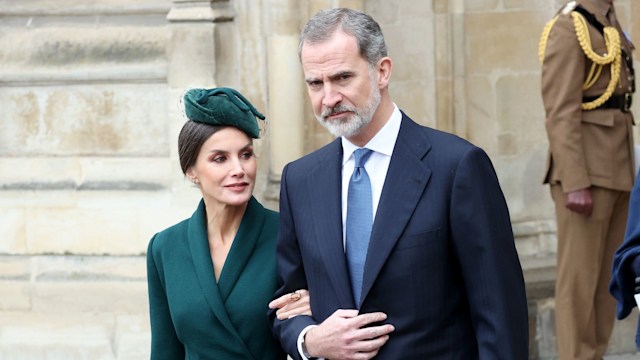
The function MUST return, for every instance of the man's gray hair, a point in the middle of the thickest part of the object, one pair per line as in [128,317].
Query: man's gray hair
[356,23]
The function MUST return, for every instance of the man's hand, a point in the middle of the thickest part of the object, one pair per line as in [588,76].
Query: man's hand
[342,336]
[580,201]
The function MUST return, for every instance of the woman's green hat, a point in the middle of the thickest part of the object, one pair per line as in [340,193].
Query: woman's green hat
[222,106]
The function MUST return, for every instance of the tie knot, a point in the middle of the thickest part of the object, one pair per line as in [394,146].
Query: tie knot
[361,156]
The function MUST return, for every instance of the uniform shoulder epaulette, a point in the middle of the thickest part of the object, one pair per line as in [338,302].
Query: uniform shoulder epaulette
[581,17]
[567,9]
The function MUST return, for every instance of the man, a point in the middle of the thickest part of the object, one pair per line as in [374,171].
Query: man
[587,83]
[438,277]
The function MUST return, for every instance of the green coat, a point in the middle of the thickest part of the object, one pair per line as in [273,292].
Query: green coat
[192,316]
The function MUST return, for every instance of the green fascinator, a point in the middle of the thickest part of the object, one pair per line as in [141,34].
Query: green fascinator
[222,106]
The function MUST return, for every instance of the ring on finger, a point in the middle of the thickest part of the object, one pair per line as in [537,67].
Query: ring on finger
[295,296]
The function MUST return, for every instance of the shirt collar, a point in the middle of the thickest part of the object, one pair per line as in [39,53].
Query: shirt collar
[383,142]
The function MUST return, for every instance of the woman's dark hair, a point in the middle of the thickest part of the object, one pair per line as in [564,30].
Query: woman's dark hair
[190,140]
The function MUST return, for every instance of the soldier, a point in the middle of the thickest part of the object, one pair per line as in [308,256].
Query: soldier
[587,86]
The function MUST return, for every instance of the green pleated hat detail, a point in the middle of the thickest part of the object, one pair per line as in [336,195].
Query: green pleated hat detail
[222,106]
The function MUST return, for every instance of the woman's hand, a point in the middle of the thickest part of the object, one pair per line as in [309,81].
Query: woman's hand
[292,304]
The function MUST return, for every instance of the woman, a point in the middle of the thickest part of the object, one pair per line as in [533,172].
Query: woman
[211,276]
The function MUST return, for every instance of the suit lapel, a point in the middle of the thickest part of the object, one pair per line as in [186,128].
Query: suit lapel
[201,256]
[406,180]
[325,184]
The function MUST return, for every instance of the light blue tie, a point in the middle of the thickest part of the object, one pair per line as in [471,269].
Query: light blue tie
[359,221]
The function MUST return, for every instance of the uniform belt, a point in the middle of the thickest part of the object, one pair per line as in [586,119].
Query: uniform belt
[621,102]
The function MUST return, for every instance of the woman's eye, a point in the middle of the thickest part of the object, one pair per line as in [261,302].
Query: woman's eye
[218,159]
[247,155]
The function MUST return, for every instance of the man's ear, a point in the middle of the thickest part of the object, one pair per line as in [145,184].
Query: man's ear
[384,71]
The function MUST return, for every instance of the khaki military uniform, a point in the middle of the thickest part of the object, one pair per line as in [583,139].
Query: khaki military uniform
[587,149]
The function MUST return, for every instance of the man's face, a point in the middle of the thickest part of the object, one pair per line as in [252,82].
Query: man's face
[341,84]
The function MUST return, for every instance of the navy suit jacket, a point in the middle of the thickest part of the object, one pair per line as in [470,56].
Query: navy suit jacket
[622,284]
[441,262]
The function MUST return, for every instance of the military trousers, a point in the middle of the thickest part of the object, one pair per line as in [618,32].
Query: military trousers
[585,311]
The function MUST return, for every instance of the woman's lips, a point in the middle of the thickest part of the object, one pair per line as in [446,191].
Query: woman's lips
[237,186]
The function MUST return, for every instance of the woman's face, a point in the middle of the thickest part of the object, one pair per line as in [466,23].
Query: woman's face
[225,168]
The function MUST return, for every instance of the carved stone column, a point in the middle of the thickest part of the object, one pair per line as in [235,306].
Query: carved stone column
[450,66]
[191,48]
[191,62]
[286,90]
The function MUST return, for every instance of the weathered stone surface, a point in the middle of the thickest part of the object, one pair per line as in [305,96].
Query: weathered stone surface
[101,222]
[81,52]
[480,5]
[98,120]
[411,59]
[491,48]
[535,238]
[82,7]
[87,47]
[518,104]
[82,231]
[132,337]
[85,173]
[46,173]
[412,96]
[20,198]
[521,179]
[89,268]
[525,5]
[56,336]
[481,124]
[16,295]
[193,45]
[12,231]
[546,330]
[100,297]
[15,268]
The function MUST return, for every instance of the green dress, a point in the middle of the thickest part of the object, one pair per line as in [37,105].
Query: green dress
[192,316]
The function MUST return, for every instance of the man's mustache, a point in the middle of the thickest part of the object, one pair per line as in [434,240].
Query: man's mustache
[338,109]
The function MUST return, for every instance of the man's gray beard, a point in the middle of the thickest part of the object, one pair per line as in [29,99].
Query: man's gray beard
[353,124]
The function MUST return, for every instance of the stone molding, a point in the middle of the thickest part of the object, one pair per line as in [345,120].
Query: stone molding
[208,11]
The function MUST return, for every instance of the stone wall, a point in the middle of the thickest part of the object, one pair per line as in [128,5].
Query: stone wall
[85,168]
[89,95]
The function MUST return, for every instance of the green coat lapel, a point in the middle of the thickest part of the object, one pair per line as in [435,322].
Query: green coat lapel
[199,247]
[242,248]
